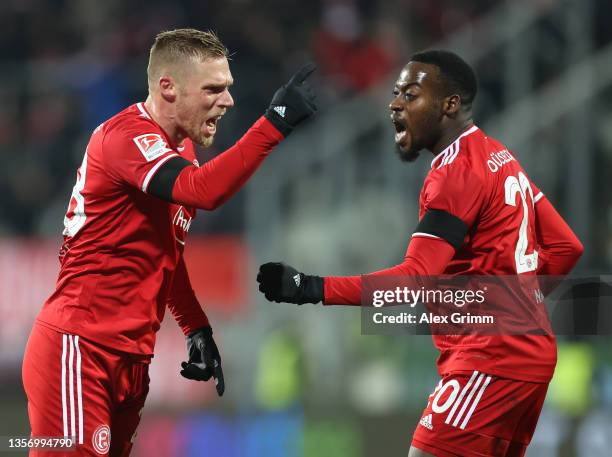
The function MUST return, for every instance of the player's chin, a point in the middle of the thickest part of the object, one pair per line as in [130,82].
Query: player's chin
[204,140]
[407,155]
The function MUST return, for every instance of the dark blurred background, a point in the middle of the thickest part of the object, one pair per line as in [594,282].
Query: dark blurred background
[333,198]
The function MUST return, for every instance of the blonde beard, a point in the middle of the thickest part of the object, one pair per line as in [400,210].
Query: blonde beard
[203,141]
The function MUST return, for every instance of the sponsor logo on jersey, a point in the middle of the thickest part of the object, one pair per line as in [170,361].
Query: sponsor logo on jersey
[499,159]
[151,145]
[426,422]
[182,220]
[101,439]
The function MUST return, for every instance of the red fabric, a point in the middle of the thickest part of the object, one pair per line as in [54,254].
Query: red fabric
[559,246]
[183,303]
[99,389]
[210,185]
[424,257]
[122,246]
[479,181]
[470,415]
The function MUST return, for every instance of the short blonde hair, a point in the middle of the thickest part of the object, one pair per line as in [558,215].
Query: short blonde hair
[174,46]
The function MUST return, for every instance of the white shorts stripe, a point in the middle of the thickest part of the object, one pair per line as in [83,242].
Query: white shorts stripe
[469,414]
[71,386]
[64,411]
[460,399]
[151,173]
[79,393]
[468,400]
[538,197]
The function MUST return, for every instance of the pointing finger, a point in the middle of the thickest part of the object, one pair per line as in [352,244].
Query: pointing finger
[303,73]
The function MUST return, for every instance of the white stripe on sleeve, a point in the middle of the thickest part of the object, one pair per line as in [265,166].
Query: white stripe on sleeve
[151,173]
[428,235]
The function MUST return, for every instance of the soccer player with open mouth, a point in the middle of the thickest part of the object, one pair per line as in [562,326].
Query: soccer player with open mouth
[85,368]
[480,214]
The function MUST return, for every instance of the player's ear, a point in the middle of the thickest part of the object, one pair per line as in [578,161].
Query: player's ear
[451,105]
[167,88]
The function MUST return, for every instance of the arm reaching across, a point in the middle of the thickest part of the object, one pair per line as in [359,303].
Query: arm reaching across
[282,283]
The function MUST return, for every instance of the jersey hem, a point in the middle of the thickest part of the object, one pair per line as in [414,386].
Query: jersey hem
[100,342]
[511,375]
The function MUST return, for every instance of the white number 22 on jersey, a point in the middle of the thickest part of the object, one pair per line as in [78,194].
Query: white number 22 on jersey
[524,262]
[73,224]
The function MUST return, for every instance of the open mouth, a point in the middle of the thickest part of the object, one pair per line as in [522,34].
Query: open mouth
[211,124]
[400,130]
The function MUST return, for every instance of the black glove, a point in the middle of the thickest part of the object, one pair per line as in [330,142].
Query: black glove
[293,102]
[204,359]
[282,283]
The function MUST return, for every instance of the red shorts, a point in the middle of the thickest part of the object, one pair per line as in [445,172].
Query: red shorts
[78,389]
[479,416]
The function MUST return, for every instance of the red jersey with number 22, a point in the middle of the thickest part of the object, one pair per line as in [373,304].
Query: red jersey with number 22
[479,181]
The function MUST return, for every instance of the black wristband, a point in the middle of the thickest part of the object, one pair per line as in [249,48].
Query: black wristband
[278,122]
[206,331]
[313,290]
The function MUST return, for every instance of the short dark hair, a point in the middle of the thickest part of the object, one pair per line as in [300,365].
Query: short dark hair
[457,75]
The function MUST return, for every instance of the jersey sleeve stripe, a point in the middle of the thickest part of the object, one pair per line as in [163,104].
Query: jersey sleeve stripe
[427,235]
[153,170]
[454,155]
[450,153]
[538,197]
[447,153]
[143,111]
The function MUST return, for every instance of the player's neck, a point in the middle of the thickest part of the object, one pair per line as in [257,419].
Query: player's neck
[164,121]
[450,135]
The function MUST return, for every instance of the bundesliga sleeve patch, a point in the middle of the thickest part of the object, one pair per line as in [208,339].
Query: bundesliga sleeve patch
[440,224]
[151,145]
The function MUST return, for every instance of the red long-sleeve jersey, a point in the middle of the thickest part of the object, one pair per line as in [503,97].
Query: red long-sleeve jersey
[511,229]
[121,262]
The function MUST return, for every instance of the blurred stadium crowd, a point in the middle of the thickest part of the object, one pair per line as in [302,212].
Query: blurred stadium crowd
[312,386]
[69,65]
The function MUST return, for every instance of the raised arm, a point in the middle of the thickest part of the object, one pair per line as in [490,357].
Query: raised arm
[210,185]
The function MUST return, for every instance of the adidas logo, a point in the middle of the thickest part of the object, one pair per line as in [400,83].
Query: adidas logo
[426,422]
[298,279]
[280,110]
